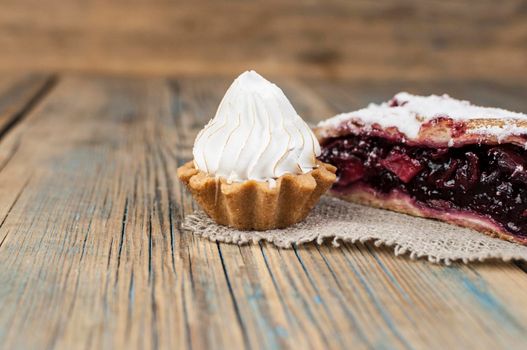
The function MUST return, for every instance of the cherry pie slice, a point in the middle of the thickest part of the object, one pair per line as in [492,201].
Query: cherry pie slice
[434,157]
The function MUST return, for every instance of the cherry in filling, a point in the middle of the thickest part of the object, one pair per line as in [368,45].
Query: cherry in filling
[484,179]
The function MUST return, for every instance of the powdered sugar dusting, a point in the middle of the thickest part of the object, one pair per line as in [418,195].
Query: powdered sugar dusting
[408,113]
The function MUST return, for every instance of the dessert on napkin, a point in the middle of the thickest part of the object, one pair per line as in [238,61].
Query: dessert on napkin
[255,165]
[435,157]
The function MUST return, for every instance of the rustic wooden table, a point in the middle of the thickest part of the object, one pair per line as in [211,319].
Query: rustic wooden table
[92,254]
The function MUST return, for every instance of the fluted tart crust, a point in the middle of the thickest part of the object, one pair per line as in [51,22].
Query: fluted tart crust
[255,205]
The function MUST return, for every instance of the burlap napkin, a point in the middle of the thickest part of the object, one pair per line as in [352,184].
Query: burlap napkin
[341,221]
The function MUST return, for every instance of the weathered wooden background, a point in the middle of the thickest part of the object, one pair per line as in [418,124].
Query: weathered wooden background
[484,39]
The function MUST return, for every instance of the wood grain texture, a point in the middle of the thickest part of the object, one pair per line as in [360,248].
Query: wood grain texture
[368,39]
[93,255]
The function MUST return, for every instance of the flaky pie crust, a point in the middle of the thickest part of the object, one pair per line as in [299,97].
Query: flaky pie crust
[254,205]
[437,133]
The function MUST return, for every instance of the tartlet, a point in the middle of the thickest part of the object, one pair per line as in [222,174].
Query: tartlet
[254,205]
[434,157]
[255,165]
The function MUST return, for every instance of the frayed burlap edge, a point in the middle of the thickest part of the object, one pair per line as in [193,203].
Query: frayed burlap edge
[339,221]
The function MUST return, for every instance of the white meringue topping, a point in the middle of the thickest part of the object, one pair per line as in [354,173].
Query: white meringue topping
[256,134]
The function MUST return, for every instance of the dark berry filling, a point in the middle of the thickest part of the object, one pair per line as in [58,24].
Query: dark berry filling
[484,179]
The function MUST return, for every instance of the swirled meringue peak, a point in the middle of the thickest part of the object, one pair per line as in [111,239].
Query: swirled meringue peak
[256,134]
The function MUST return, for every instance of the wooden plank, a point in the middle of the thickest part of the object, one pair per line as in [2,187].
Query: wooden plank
[351,39]
[19,94]
[346,96]
[94,257]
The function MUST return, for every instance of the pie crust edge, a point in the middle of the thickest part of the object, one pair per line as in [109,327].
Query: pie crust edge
[403,203]
[440,132]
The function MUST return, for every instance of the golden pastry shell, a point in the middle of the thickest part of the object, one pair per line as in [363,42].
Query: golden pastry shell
[254,205]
